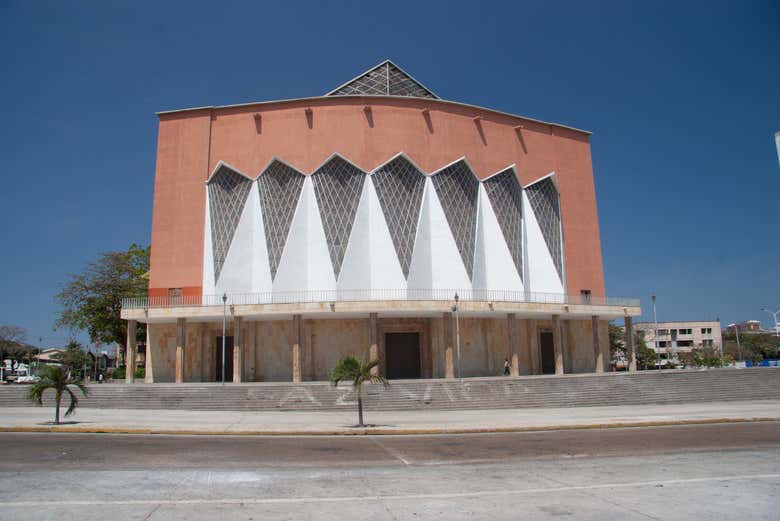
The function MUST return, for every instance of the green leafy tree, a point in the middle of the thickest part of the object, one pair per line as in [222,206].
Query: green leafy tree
[28,356]
[74,359]
[753,346]
[704,357]
[55,377]
[645,357]
[617,347]
[11,349]
[91,300]
[761,346]
[353,370]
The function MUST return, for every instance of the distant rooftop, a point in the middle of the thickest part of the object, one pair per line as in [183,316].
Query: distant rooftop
[716,321]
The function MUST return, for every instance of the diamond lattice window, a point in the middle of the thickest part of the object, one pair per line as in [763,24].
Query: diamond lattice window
[228,191]
[280,187]
[337,185]
[399,187]
[543,198]
[372,83]
[400,84]
[505,196]
[457,189]
[384,80]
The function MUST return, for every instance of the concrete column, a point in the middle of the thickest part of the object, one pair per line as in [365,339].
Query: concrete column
[258,347]
[566,348]
[205,352]
[238,350]
[249,352]
[148,369]
[630,351]
[449,347]
[533,345]
[130,356]
[296,348]
[181,339]
[373,340]
[594,320]
[308,348]
[557,343]
[514,357]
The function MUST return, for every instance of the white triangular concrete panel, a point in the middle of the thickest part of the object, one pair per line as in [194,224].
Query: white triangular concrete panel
[237,270]
[494,268]
[436,262]
[420,266]
[208,254]
[542,274]
[356,266]
[305,264]
[370,260]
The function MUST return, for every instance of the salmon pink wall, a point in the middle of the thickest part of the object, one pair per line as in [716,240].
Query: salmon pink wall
[179,202]
[368,132]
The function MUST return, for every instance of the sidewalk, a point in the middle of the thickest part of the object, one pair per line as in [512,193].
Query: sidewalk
[133,421]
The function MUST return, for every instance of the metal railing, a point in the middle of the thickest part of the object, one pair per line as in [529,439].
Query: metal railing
[367,295]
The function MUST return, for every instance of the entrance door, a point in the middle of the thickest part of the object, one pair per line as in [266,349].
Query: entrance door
[228,359]
[402,355]
[548,352]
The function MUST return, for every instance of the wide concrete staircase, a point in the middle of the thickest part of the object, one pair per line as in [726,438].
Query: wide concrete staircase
[646,387]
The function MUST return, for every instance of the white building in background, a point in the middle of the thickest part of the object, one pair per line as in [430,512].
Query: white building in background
[777,144]
[677,337]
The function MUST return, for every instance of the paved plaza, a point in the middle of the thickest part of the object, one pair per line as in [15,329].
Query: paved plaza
[382,422]
[704,472]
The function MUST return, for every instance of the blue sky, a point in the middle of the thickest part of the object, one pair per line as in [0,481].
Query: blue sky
[683,99]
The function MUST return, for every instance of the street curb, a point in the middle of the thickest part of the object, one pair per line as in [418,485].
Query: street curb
[380,431]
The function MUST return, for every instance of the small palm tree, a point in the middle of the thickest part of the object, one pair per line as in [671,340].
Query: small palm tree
[351,369]
[55,377]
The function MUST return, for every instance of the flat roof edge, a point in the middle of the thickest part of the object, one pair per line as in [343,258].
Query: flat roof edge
[331,98]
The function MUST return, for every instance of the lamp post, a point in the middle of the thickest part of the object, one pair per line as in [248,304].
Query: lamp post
[655,334]
[224,331]
[457,331]
[774,317]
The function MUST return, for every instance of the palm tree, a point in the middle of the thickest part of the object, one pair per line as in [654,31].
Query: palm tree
[351,369]
[54,377]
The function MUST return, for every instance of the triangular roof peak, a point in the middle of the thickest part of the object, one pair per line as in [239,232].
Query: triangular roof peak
[385,79]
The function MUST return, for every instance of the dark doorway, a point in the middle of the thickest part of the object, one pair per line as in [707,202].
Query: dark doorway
[402,355]
[228,359]
[547,344]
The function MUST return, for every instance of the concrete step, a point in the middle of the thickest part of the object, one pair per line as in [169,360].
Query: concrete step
[472,393]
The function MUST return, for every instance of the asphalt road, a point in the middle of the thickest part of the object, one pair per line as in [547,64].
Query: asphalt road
[724,471]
